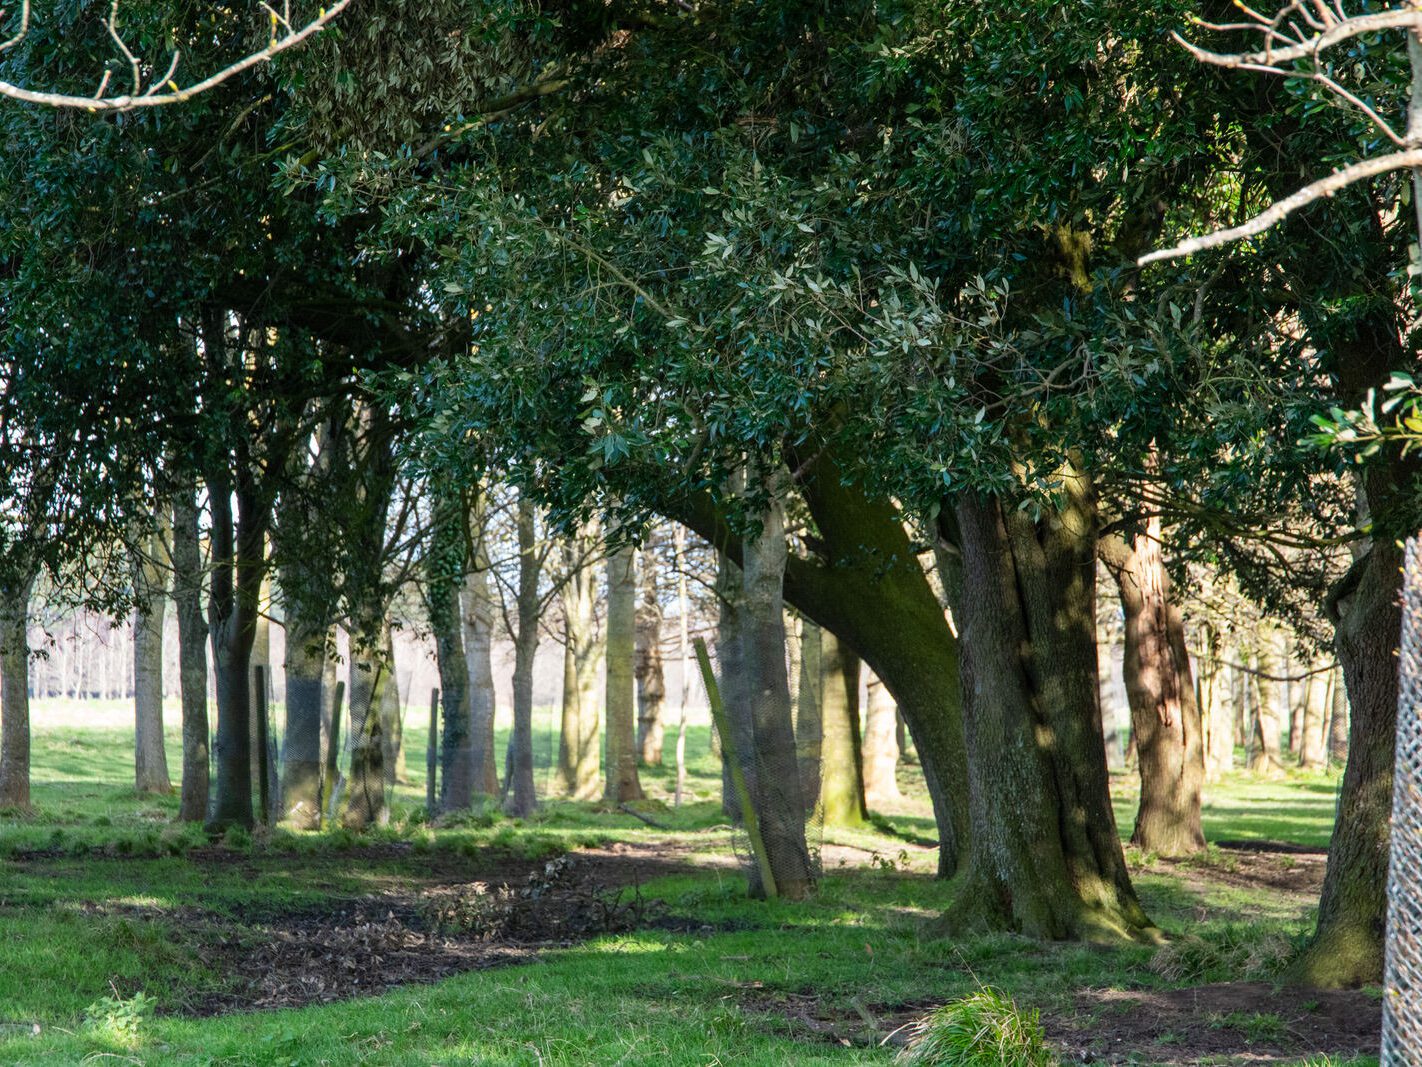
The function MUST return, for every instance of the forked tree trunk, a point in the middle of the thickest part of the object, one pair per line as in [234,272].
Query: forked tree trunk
[579,738]
[881,748]
[518,779]
[150,759]
[780,806]
[809,726]
[445,574]
[651,681]
[15,694]
[622,783]
[1046,860]
[1165,718]
[365,803]
[478,606]
[841,793]
[192,655]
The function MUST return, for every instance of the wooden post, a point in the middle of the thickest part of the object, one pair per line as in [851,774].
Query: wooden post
[432,755]
[738,778]
[333,748]
[259,681]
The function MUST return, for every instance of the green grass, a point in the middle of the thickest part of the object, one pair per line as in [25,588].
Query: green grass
[99,918]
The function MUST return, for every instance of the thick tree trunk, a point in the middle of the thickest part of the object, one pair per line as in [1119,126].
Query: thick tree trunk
[881,748]
[445,568]
[1347,946]
[579,748]
[192,655]
[518,779]
[651,681]
[1046,860]
[809,725]
[15,695]
[1314,720]
[622,783]
[478,606]
[365,803]
[305,665]
[779,803]
[841,793]
[735,694]
[1165,718]
[150,761]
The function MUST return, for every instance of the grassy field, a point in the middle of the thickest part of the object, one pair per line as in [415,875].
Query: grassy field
[130,940]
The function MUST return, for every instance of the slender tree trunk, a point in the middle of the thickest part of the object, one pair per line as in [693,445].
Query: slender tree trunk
[15,694]
[261,657]
[365,803]
[579,748]
[1315,718]
[478,606]
[192,654]
[651,682]
[881,748]
[1264,755]
[1165,718]
[1046,859]
[1217,709]
[1338,718]
[445,568]
[622,783]
[150,764]
[392,720]
[780,806]
[809,723]
[841,752]
[730,656]
[523,798]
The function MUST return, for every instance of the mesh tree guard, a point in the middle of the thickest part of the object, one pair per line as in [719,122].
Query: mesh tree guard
[1402,976]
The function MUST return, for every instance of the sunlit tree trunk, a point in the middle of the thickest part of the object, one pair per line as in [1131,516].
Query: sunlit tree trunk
[841,793]
[478,607]
[622,783]
[1264,755]
[651,681]
[150,763]
[1337,718]
[881,748]
[579,748]
[1315,720]
[444,566]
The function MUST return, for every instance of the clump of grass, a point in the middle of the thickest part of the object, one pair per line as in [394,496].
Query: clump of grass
[1231,952]
[983,1029]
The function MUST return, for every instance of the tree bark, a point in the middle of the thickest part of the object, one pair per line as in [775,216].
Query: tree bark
[622,783]
[780,805]
[192,654]
[809,724]
[1337,718]
[1265,731]
[15,694]
[881,748]
[1165,718]
[150,763]
[445,567]
[651,682]
[478,606]
[305,666]
[735,693]
[1045,860]
[365,803]
[1315,720]
[1216,708]
[841,793]
[392,720]
[519,782]
[579,740]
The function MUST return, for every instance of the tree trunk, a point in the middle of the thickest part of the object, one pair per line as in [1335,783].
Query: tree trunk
[365,803]
[841,794]
[15,695]
[478,606]
[780,806]
[809,724]
[1315,717]
[579,748]
[1045,860]
[1347,946]
[1165,719]
[445,568]
[730,657]
[392,721]
[192,654]
[150,763]
[1264,755]
[519,782]
[305,665]
[1216,709]
[1338,718]
[651,682]
[622,783]
[881,748]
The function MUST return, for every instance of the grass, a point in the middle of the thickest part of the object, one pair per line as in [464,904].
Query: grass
[98,962]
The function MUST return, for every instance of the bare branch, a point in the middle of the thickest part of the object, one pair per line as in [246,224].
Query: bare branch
[1342,31]
[163,91]
[1281,209]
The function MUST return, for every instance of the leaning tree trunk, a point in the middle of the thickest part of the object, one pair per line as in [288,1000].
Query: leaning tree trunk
[622,783]
[809,725]
[1347,945]
[779,803]
[478,606]
[365,803]
[1045,858]
[518,780]
[445,573]
[192,654]
[1165,718]
[579,740]
[881,748]
[651,682]
[841,794]
[150,759]
[15,694]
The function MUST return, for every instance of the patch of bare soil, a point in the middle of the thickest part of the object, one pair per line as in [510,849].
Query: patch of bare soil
[1231,1022]
[1295,872]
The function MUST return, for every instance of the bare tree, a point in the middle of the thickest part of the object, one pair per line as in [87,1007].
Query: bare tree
[145,87]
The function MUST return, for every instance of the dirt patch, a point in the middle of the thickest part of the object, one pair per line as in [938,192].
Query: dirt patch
[1297,873]
[1235,1022]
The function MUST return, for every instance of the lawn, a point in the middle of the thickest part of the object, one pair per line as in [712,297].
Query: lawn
[130,940]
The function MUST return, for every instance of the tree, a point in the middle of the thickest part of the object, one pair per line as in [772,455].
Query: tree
[579,739]
[192,653]
[150,594]
[651,682]
[621,781]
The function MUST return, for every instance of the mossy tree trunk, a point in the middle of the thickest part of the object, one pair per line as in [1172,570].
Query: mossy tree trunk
[621,781]
[150,758]
[841,792]
[1045,860]
[365,802]
[1165,718]
[579,737]
[445,567]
